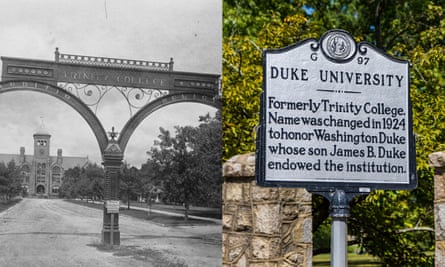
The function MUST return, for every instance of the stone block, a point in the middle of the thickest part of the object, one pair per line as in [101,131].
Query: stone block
[303,196]
[439,221]
[265,248]
[302,231]
[264,193]
[286,236]
[234,240]
[437,159]
[224,246]
[294,258]
[244,219]
[267,218]
[234,192]
[247,191]
[439,188]
[287,194]
[439,255]
[290,211]
[236,246]
[240,166]
[264,264]
[230,208]
[227,221]
[301,256]
[305,209]
[307,231]
[235,253]
[243,261]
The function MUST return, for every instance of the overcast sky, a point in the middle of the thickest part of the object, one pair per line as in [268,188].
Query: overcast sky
[188,31]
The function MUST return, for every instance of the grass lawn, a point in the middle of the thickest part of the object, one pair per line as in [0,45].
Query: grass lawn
[354,260]
[158,218]
[10,203]
[215,213]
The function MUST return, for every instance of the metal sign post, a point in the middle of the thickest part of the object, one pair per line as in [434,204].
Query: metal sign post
[339,232]
[339,206]
[335,119]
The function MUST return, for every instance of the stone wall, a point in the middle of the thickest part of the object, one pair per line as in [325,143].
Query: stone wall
[267,227]
[437,160]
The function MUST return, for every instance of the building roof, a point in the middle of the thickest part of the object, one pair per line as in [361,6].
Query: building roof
[6,158]
[71,162]
[67,163]
[41,130]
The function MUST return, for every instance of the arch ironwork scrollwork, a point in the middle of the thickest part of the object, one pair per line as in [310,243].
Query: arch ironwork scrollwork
[92,94]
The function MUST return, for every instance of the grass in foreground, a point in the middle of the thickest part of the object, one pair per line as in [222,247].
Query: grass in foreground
[196,211]
[354,260]
[6,205]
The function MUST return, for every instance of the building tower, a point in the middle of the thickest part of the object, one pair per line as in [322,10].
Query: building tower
[42,161]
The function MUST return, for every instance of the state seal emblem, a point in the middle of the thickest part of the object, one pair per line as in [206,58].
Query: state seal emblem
[338,45]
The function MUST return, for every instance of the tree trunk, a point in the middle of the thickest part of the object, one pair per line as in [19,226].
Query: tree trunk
[377,22]
[186,212]
[149,204]
[128,198]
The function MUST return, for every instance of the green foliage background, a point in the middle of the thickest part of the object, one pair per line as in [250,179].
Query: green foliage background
[393,225]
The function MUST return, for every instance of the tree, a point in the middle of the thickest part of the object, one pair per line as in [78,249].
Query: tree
[243,17]
[174,156]
[94,179]
[412,30]
[188,163]
[150,184]
[83,182]
[207,149]
[10,180]
[67,189]
[15,180]
[130,183]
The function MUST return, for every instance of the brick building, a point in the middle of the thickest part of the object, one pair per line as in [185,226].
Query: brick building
[42,173]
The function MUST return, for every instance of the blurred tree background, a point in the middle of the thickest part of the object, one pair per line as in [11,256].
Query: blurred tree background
[396,226]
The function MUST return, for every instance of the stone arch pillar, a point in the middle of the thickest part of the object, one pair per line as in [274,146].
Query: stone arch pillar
[437,160]
[263,226]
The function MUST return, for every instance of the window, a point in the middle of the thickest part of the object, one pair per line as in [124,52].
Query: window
[42,142]
[56,175]
[55,190]
[41,172]
[24,172]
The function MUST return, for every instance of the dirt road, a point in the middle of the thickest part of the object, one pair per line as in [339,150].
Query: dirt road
[52,232]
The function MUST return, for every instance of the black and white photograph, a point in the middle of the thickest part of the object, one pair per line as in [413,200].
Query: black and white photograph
[110,152]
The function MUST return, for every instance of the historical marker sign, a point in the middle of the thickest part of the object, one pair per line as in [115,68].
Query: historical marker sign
[335,114]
